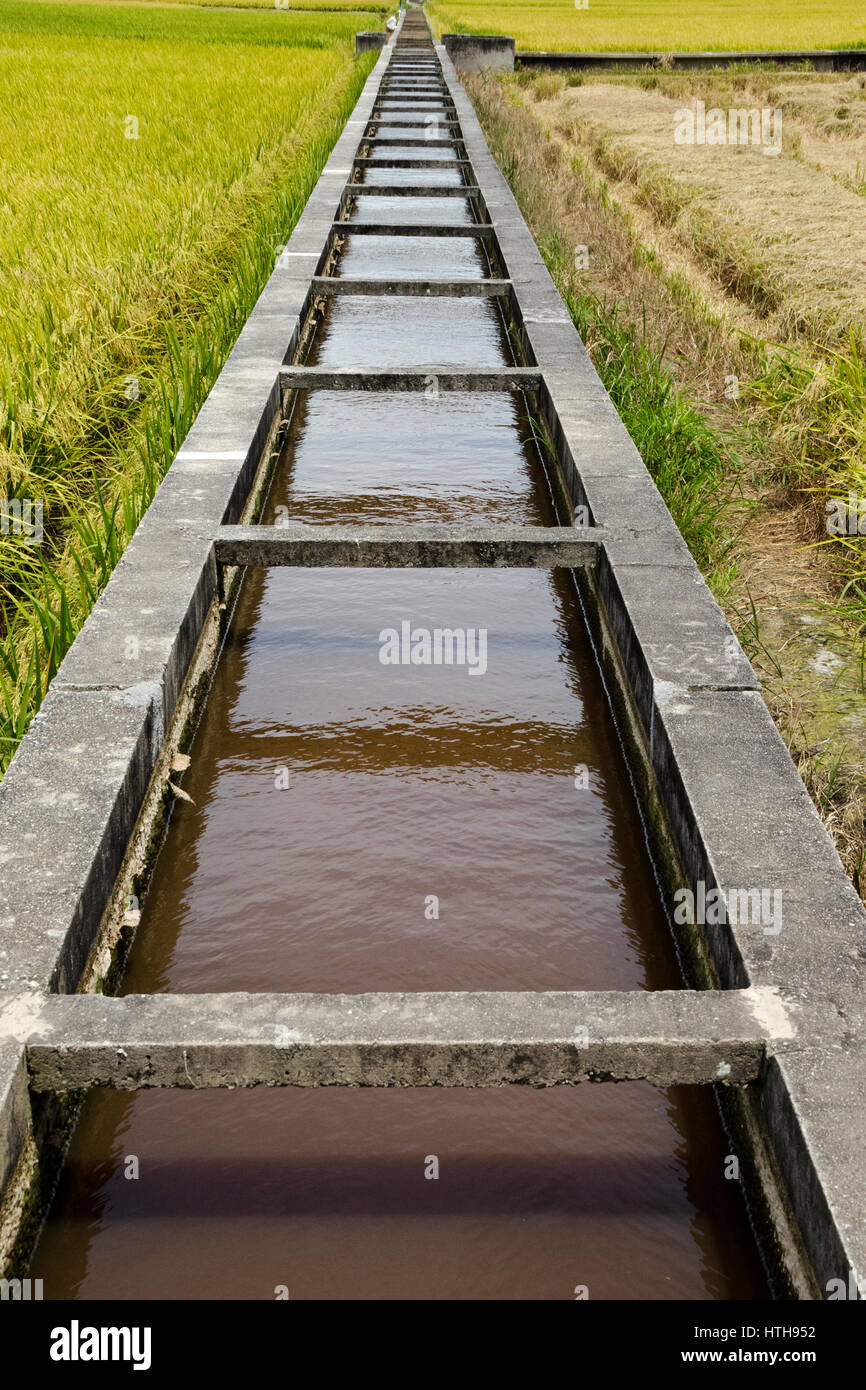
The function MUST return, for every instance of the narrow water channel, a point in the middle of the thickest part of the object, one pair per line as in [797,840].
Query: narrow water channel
[361,825]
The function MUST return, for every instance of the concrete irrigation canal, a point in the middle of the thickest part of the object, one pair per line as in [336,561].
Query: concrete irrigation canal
[406,774]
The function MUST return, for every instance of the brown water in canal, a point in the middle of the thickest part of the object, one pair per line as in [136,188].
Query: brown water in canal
[367,826]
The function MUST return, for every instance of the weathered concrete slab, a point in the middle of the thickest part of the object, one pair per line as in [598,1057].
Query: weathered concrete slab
[423,142]
[815,1099]
[413,190]
[418,547]
[405,123]
[389,102]
[409,378]
[15,1115]
[68,805]
[386,163]
[370,40]
[464,1039]
[449,229]
[440,289]
[480,52]
[745,820]
[670,630]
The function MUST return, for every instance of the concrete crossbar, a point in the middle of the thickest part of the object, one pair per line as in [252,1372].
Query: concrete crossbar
[472,229]
[439,289]
[409,378]
[416,547]
[412,190]
[428,1039]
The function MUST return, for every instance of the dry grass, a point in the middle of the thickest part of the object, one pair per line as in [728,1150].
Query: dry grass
[780,234]
[571,195]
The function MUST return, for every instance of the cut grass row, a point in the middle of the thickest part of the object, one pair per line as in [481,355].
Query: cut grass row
[130,265]
[657,26]
[804,385]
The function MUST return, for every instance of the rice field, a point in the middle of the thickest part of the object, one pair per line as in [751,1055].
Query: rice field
[139,225]
[657,25]
[313,27]
[377,6]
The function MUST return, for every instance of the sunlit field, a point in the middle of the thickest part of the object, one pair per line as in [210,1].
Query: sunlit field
[314,26]
[151,162]
[378,6]
[658,25]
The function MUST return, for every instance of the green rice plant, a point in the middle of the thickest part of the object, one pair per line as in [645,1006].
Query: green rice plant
[133,252]
[309,27]
[656,26]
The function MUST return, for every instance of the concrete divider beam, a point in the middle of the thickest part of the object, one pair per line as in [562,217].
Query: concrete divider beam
[499,1038]
[416,547]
